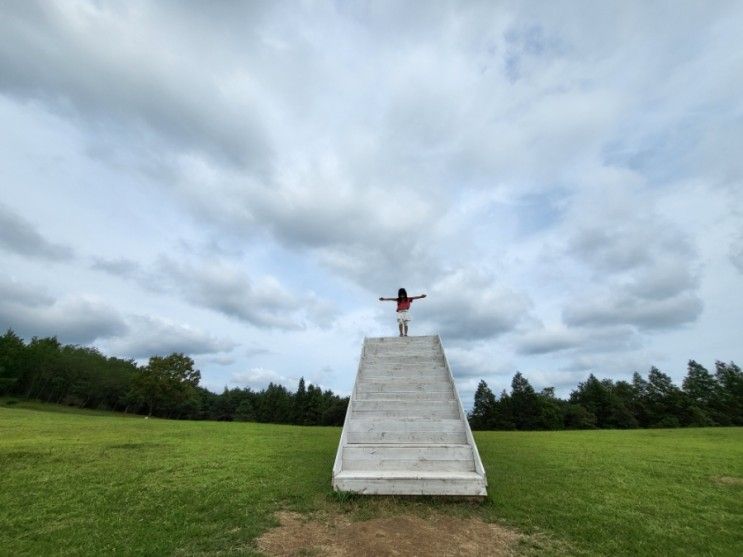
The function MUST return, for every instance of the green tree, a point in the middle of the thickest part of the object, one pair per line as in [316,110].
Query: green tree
[314,407]
[245,411]
[701,391]
[335,413]
[503,413]
[601,400]
[300,403]
[524,403]
[729,402]
[167,382]
[12,359]
[550,410]
[665,401]
[483,411]
[577,417]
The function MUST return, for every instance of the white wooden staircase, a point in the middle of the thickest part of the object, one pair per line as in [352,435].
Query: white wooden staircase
[406,432]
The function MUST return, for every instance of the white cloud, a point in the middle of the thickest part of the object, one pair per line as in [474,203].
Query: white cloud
[258,378]
[469,303]
[151,336]
[542,341]
[527,165]
[19,236]
[75,318]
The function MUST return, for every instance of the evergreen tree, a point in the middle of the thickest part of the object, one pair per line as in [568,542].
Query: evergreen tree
[550,410]
[524,403]
[245,411]
[729,403]
[503,415]
[12,356]
[300,403]
[701,391]
[665,401]
[483,411]
[577,417]
[600,399]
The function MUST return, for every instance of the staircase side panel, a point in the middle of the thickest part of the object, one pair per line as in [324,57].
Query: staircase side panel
[479,468]
[338,463]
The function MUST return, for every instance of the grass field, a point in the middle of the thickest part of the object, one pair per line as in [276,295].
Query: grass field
[78,482]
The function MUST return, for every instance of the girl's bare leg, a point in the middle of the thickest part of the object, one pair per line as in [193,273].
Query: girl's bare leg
[400,326]
[406,329]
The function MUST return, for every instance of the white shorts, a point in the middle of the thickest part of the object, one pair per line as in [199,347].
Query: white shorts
[403,316]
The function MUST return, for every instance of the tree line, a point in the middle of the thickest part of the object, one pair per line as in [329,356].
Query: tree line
[704,399]
[168,386]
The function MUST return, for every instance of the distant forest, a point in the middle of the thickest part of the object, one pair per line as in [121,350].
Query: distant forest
[704,399]
[168,387]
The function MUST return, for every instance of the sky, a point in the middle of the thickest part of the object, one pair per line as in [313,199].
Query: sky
[241,182]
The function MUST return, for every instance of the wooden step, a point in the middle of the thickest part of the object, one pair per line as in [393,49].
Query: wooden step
[398,408]
[455,458]
[380,375]
[406,424]
[400,341]
[403,358]
[410,465]
[384,482]
[402,355]
[397,385]
[406,437]
[414,395]
[413,451]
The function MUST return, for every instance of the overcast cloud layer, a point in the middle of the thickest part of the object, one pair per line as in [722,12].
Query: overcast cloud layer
[241,183]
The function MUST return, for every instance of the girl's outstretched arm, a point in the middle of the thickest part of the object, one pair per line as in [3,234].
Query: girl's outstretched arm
[418,297]
[387,299]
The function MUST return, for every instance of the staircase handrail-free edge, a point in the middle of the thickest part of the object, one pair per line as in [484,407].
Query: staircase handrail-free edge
[479,468]
[339,454]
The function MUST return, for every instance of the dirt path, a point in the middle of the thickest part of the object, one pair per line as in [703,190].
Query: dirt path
[401,536]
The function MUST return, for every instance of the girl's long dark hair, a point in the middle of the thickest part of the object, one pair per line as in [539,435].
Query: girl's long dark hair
[402,294]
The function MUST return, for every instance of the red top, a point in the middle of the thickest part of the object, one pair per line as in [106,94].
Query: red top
[403,304]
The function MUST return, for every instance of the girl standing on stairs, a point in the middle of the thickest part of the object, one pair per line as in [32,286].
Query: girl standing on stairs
[403,305]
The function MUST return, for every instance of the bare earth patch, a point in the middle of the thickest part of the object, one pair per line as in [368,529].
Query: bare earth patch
[401,535]
[729,480]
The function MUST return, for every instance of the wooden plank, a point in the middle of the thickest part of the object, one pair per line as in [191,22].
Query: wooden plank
[420,367]
[405,409]
[404,413]
[402,381]
[406,437]
[402,424]
[412,407]
[411,486]
[406,395]
[402,359]
[402,356]
[417,368]
[401,385]
[419,465]
[428,339]
[403,374]
[412,475]
[431,452]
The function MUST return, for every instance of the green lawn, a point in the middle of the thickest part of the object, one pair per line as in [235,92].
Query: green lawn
[77,482]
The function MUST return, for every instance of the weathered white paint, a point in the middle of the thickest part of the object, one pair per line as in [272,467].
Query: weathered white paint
[406,395]
[406,431]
